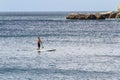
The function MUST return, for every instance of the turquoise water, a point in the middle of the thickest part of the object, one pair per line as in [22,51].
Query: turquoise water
[85,49]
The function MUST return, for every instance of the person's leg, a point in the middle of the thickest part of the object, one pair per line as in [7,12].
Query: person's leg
[38,46]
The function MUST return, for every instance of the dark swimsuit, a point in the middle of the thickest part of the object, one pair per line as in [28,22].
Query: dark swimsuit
[38,45]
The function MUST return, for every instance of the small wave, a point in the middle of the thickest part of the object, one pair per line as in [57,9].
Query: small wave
[52,71]
[116,56]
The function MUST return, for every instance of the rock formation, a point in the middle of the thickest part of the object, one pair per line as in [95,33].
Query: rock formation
[95,16]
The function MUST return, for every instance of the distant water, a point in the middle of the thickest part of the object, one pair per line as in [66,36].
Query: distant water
[85,49]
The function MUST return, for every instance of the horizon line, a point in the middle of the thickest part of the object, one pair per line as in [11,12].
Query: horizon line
[53,11]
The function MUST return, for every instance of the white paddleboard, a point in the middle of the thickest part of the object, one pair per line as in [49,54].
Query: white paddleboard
[46,50]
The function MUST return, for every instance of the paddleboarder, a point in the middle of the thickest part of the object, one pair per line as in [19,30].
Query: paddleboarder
[38,41]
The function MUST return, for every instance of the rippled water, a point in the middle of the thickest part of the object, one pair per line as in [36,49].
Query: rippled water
[85,49]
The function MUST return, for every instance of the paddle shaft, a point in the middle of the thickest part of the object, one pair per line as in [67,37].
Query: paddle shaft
[42,44]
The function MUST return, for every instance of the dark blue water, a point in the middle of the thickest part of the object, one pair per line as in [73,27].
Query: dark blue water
[85,49]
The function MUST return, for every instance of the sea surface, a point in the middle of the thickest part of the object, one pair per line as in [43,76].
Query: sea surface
[85,49]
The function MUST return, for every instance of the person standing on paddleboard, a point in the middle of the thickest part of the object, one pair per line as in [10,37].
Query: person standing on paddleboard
[38,41]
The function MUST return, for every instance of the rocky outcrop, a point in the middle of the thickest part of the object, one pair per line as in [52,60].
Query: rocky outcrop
[95,16]
[91,16]
[76,16]
[113,14]
[118,15]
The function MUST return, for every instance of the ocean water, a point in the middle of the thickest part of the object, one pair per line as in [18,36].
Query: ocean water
[85,49]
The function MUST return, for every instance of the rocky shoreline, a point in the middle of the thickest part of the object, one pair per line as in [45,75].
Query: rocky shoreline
[95,16]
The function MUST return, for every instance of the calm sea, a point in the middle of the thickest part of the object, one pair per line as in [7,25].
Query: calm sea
[85,49]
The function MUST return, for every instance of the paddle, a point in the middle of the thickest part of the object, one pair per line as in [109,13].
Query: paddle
[42,44]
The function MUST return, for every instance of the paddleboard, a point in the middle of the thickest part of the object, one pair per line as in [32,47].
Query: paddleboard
[46,50]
